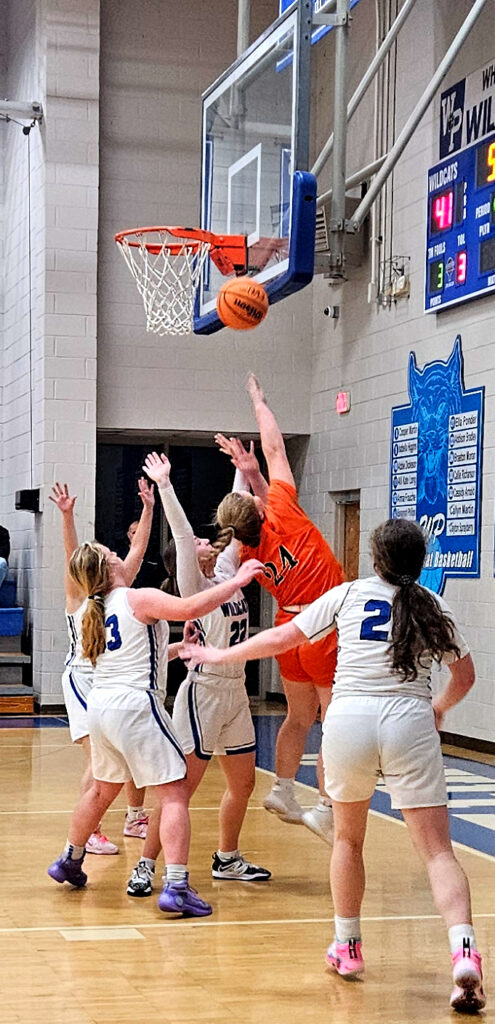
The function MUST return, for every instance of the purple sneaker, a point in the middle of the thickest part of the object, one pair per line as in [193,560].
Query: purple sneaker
[66,869]
[180,898]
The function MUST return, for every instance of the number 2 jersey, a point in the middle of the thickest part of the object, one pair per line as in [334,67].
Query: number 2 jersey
[135,655]
[362,614]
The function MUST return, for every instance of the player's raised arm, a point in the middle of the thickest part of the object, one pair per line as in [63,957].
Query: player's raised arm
[190,578]
[245,462]
[65,503]
[140,541]
[272,441]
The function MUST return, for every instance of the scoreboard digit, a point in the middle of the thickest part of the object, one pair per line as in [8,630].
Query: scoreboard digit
[460,242]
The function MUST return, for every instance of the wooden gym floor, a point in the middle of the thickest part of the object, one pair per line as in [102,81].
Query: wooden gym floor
[96,956]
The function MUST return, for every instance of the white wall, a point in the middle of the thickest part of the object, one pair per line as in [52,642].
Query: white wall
[154,69]
[49,336]
[366,352]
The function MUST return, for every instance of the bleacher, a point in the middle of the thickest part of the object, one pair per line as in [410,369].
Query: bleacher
[16,692]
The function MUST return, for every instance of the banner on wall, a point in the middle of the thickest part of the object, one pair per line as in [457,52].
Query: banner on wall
[467,111]
[435,466]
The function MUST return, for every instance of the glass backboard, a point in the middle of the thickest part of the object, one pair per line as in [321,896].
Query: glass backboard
[255,145]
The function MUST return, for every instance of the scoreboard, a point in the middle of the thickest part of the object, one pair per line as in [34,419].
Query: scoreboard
[460,238]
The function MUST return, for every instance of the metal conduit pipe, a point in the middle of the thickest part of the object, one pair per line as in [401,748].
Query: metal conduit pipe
[366,80]
[420,108]
[337,209]
[355,179]
[243,24]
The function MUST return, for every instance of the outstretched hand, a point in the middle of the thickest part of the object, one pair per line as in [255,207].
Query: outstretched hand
[254,389]
[196,654]
[245,461]
[146,492]
[158,468]
[62,499]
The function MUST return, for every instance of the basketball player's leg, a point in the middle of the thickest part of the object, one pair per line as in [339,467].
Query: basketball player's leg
[228,862]
[429,831]
[136,819]
[347,883]
[319,819]
[302,707]
[98,843]
[177,895]
[85,819]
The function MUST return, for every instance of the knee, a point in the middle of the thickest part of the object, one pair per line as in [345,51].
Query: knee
[241,789]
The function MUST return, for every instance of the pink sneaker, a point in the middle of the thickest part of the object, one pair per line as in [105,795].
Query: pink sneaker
[98,843]
[346,958]
[467,995]
[137,828]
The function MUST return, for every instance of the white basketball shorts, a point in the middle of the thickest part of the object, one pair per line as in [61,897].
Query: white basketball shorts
[367,737]
[212,716]
[132,737]
[76,686]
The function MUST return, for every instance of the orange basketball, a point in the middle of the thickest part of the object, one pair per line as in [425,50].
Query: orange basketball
[242,303]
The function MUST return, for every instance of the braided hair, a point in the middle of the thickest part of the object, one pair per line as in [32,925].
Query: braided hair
[238,513]
[419,626]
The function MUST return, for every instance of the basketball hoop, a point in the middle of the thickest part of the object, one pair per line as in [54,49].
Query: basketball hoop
[166,264]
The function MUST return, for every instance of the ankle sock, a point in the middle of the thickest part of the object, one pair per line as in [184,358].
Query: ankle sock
[461,936]
[135,813]
[324,802]
[149,862]
[176,872]
[75,852]
[227,855]
[286,786]
[347,928]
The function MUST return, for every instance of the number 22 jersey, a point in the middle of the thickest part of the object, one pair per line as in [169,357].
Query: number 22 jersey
[362,614]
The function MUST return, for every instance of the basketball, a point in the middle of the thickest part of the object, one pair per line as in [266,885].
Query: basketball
[242,303]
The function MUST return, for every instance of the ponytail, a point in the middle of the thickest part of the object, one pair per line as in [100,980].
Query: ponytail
[419,626]
[89,568]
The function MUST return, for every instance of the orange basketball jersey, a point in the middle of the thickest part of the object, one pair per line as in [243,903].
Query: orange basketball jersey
[299,564]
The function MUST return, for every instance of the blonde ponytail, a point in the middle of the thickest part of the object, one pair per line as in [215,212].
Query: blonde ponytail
[89,568]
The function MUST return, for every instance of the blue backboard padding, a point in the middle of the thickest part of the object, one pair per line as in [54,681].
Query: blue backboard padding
[300,270]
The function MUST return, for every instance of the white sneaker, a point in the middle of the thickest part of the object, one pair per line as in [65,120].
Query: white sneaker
[319,819]
[284,805]
[98,843]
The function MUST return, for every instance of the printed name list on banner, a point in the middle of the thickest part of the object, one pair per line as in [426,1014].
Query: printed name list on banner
[435,466]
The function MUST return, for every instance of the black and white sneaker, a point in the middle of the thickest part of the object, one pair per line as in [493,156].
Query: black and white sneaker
[141,880]
[238,870]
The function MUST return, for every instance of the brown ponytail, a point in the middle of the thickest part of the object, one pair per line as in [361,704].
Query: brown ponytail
[89,568]
[419,626]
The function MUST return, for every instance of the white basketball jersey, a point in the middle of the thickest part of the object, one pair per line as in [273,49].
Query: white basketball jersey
[75,657]
[135,654]
[226,626]
[362,613]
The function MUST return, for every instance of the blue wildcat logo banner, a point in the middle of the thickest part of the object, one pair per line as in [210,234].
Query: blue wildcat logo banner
[435,466]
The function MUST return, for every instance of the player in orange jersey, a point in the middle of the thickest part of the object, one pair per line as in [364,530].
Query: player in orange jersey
[299,567]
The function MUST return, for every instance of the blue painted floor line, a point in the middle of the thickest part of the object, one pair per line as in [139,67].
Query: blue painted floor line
[470,786]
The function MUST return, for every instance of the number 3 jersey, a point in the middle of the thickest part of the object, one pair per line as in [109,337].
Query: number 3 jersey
[135,654]
[362,614]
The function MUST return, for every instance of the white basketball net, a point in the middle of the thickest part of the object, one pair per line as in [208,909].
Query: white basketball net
[166,279]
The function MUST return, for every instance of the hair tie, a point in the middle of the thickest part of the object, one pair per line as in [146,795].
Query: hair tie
[95,597]
[406,581]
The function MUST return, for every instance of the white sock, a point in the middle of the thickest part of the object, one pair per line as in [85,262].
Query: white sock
[135,813]
[347,928]
[75,852]
[324,801]
[460,936]
[176,872]
[227,855]
[149,863]
[286,785]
